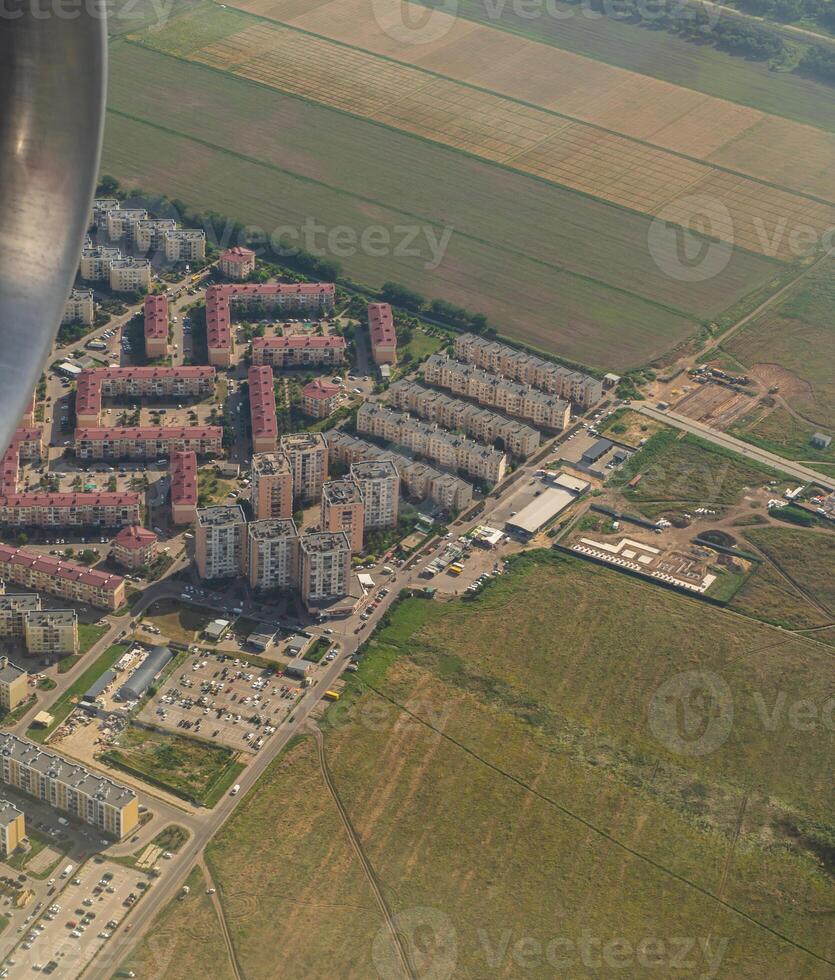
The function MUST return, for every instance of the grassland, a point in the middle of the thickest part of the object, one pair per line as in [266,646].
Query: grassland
[595,153]
[660,55]
[685,472]
[177,621]
[185,940]
[631,428]
[89,634]
[770,597]
[189,767]
[792,347]
[500,771]
[781,432]
[806,557]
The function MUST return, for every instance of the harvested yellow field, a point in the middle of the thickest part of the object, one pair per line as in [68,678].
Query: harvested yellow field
[573,154]
[634,105]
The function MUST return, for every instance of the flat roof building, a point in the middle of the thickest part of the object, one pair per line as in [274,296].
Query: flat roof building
[13,684]
[51,632]
[379,484]
[596,451]
[272,486]
[308,455]
[343,510]
[220,542]
[273,555]
[12,828]
[325,567]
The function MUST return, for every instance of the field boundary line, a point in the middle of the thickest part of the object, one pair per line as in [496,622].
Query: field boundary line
[645,215]
[695,319]
[356,844]
[218,907]
[550,112]
[601,832]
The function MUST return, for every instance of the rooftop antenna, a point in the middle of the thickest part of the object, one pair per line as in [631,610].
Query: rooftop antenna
[52,87]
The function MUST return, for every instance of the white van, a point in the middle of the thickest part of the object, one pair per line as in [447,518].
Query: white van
[235,789]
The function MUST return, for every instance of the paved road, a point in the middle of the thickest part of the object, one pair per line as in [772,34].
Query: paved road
[797,470]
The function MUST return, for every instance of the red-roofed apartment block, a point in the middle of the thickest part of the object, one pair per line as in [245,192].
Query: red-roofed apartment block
[27,420]
[151,442]
[138,382]
[135,546]
[43,573]
[320,398]
[310,297]
[183,471]
[156,326]
[382,333]
[237,263]
[103,509]
[27,443]
[262,410]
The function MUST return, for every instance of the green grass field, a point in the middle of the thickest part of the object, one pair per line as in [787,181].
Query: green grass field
[798,338]
[593,292]
[685,472]
[781,432]
[661,55]
[501,771]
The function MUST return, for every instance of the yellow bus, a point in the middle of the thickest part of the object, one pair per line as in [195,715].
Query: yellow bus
[331,695]
[455,569]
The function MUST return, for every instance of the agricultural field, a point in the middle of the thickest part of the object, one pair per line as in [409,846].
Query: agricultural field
[189,767]
[768,596]
[449,748]
[807,558]
[792,347]
[185,940]
[685,473]
[546,142]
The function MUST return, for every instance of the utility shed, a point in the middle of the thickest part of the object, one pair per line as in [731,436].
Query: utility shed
[140,680]
[594,452]
[96,688]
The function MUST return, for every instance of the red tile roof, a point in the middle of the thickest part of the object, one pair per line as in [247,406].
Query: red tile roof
[103,499]
[381,325]
[320,389]
[59,568]
[149,432]
[183,471]
[135,537]
[238,254]
[262,402]
[218,320]
[156,317]
[88,387]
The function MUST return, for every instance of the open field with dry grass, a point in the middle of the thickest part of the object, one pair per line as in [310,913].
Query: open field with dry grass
[529,792]
[529,139]
[185,940]
[806,557]
[630,103]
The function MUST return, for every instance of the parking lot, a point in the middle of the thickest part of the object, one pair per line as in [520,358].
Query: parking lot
[80,919]
[223,699]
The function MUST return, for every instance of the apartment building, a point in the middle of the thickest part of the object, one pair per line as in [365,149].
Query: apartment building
[95,262]
[66,579]
[273,555]
[524,401]
[14,685]
[452,413]
[149,234]
[420,480]
[182,469]
[98,212]
[12,828]
[343,510]
[189,381]
[13,609]
[27,420]
[79,307]
[28,443]
[185,245]
[566,383]
[151,442]
[51,632]
[325,567]
[100,509]
[382,333]
[87,796]
[156,325]
[237,263]
[130,275]
[320,398]
[429,440]
[257,300]
[308,456]
[294,352]
[121,223]
[135,546]
[379,484]
[272,486]
[262,409]
[220,542]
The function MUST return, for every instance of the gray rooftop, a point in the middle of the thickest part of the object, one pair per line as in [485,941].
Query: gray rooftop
[273,528]
[374,469]
[220,516]
[10,672]
[321,541]
[8,813]
[20,602]
[51,617]
[341,491]
[268,464]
